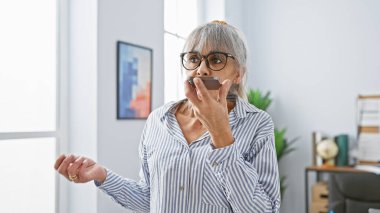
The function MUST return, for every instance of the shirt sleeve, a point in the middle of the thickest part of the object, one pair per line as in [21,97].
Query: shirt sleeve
[249,185]
[131,194]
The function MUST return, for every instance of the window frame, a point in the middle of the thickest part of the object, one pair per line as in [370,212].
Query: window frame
[179,75]
[60,134]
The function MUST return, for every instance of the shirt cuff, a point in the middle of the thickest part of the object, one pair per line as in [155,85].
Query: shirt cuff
[112,181]
[221,158]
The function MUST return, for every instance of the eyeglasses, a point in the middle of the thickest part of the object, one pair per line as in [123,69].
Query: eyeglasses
[215,61]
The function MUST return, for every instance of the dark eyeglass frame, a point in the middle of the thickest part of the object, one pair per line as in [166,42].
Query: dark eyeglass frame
[228,55]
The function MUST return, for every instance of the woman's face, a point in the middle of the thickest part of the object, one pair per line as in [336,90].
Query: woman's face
[230,71]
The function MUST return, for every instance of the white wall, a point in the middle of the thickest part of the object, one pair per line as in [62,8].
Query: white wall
[82,113]
[94,28]
[139,22]
[210,10]
[234,13]
[315,57]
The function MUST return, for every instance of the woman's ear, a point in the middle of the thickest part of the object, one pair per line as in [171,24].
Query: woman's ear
[237,77]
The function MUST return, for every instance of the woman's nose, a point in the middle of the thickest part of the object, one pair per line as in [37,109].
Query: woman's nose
[203,69]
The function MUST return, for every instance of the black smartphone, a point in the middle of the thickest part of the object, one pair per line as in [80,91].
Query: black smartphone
[211,83]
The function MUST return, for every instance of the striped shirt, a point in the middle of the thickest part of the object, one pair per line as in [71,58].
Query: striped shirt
[179,177]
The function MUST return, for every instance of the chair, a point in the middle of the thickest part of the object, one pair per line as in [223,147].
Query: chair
[354,193]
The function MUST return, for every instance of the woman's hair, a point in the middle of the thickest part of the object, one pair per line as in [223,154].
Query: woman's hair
[218,35]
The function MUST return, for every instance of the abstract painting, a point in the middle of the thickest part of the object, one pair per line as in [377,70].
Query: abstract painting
[134,81]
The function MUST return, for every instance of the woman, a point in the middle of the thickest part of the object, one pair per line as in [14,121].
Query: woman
[204,153]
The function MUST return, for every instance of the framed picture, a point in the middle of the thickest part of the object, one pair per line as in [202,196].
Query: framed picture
[134,81]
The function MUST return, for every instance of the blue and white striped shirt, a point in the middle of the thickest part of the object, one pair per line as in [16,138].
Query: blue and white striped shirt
[177,177]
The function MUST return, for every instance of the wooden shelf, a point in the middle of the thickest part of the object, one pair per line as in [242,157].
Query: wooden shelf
[341,169]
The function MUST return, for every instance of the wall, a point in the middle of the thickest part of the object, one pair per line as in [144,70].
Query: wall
[234,13]
[82,98]
[210,10]
[315,57]
[138,22]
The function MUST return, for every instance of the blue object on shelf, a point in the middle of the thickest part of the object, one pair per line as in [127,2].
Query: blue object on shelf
[342,143]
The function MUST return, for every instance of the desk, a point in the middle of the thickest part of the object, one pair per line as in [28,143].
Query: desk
[325,169]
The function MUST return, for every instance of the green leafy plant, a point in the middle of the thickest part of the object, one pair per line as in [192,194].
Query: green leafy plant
[283,146]
[256,98]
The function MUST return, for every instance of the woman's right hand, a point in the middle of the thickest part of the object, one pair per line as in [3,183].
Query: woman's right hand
[80,169]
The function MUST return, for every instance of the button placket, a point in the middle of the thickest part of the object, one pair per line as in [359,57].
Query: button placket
[185,157]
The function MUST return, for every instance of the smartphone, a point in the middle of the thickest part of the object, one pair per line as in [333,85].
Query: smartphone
[211,83]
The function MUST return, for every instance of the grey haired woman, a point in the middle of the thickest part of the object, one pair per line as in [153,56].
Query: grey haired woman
[206,153]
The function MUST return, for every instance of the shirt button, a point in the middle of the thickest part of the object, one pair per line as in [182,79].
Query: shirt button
[181,188]
[215,164]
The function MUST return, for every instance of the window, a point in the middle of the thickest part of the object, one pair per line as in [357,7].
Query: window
[28,105]
[181,17]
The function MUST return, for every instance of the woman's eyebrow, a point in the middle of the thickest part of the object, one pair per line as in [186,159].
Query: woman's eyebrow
[215,51]
[208,53]
[193,51]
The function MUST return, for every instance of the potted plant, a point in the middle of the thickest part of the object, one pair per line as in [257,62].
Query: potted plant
[282,145]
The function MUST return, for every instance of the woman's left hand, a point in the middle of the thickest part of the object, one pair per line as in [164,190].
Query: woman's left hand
[212,113]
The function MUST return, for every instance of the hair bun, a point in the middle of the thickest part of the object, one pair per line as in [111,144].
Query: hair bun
[219,22]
